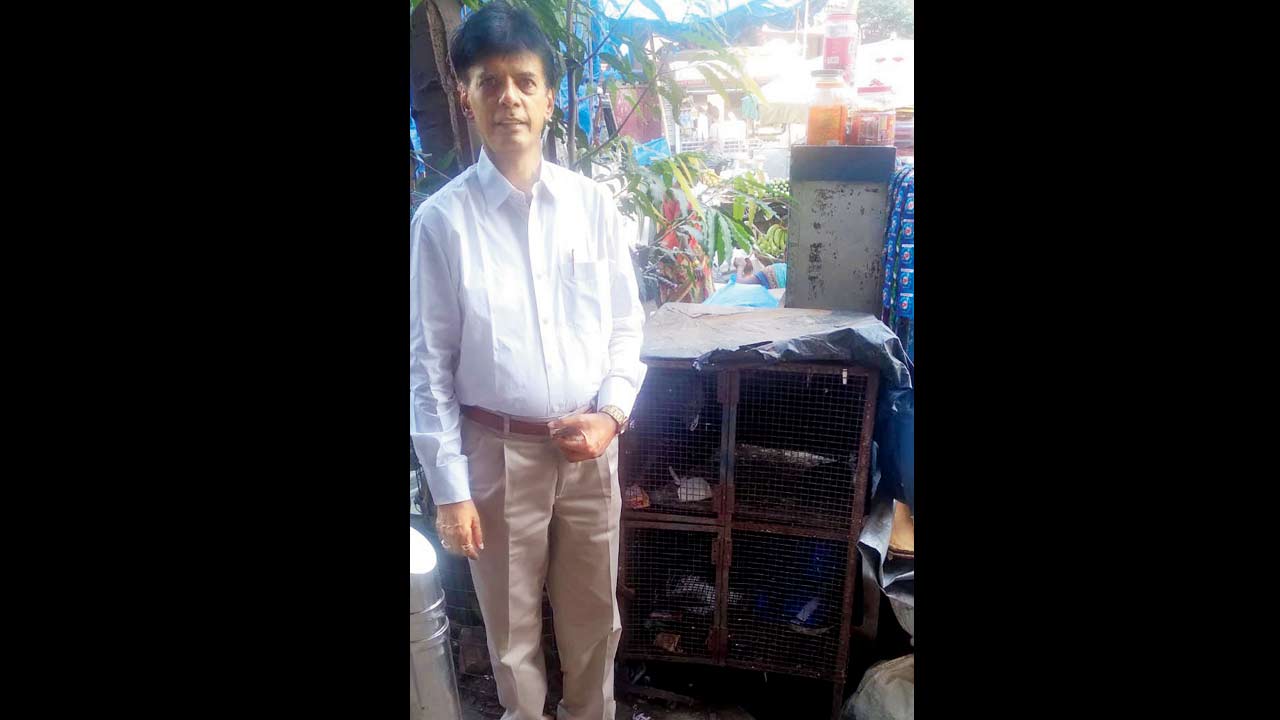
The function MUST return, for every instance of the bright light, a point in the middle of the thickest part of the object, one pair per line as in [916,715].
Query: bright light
[422,557]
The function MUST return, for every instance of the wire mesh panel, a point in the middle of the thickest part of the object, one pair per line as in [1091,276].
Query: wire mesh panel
[671,453]
[786,602]
[669,589]
[796,446]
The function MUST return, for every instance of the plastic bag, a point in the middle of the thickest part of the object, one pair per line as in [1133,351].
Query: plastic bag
[887,692]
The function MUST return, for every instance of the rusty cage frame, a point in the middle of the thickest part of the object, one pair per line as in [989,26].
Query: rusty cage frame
[835,529]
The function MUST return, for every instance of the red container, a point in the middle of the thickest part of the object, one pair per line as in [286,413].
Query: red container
[840,41]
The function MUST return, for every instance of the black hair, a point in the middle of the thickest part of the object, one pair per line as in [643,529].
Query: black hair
[500,29]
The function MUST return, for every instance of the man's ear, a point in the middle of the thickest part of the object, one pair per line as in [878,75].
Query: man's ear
[464,99]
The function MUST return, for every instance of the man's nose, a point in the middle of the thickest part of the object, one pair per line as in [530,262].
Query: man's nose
[508,96]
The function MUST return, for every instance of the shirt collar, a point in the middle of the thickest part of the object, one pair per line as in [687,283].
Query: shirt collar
[497,188]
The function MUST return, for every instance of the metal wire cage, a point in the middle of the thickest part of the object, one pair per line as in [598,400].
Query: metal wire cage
[786,601]
[669,584]
[771,580]
[671,454]
[797,443]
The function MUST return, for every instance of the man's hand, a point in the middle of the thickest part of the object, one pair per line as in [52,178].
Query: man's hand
[585,436]
[458,526]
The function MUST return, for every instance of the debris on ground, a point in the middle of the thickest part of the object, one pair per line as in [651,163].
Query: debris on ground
[473,651]
[887,692]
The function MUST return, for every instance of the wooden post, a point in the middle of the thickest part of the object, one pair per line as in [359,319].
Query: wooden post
[571,114]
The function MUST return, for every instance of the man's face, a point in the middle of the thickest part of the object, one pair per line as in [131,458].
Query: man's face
[510,101]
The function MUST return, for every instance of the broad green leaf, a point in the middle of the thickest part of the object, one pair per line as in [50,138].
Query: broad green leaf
[738,205]
[741,236]
[715,81]
[714,239]
[646,63]
[655,8]
[689,175]
[764,208]
[616,63]
[726,232]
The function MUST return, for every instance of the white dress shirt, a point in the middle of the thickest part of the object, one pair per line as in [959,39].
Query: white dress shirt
[526,306]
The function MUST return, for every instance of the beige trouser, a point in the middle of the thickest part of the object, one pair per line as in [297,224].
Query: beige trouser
[546,519]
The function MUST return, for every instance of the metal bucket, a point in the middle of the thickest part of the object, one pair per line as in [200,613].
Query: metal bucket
[426,605]
[433,684]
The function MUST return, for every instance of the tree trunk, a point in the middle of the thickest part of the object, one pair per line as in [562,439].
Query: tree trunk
[429,100]
[442,19]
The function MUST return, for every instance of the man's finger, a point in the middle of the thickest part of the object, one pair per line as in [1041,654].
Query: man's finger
[473,542]
[574,440]
[566,431]
[477,534]
[459,537]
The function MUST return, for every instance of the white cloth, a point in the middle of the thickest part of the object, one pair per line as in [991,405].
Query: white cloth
[525,306]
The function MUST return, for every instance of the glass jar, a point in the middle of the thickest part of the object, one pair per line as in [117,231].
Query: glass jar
[873,118]
[828,109]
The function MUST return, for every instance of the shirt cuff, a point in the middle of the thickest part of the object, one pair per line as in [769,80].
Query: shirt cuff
[617,392]
[448,483]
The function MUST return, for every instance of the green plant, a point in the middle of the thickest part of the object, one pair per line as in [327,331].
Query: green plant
[879,18]
[643,69]
[699,217]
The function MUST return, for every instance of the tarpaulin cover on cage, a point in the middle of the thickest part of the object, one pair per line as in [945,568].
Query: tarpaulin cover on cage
[720,337]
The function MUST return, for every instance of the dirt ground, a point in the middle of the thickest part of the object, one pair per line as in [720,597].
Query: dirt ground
[701,692]
[638,710]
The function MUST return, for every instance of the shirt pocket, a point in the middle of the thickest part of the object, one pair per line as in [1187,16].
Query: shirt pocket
[585,294]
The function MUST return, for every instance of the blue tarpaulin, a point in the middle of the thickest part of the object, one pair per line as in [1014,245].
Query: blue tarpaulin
[743,295]
[658,149]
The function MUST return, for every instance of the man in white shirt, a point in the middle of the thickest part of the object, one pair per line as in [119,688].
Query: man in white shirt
[525,332]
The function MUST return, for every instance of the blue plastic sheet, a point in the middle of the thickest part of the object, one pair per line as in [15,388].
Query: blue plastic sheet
[896,444]
[743,296]
[658,149]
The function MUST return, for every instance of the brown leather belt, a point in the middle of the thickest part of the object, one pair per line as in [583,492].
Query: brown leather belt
[493,421]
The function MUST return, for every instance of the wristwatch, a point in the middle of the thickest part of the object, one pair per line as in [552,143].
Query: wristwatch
[618,416]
